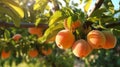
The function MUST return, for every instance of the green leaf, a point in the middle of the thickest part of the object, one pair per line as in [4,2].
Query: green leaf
[67,2]
[37,21]
[69,22]
[87,5]
[56,17]
[93,19]
[107,19]
[10,13]
[14,7]
[118,61]
[109,6]
[98,13]
[81,1]
[6,34]
[50,32]
[40,4]
[116,32]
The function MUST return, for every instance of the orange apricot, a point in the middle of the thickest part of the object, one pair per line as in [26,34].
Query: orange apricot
[35,31]
[81,48]
[33,53]
[96,39]
[16,37]
[64,39]
[74,25]
[110,40]
[5,54]
[46,51]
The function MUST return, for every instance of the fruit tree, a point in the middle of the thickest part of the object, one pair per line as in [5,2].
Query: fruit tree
[59,33]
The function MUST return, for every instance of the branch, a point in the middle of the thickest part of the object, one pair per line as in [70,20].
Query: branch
[56,5]
[96,6]
[22,25]
[109,25]
[112,25]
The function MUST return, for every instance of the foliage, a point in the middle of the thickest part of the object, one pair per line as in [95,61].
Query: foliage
[53,14]
[105,58]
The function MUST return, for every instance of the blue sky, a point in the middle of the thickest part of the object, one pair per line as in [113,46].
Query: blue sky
[115,3]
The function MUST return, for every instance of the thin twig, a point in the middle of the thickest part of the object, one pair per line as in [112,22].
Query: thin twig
[22,25]
[112,25]
[56,5]
[97,5]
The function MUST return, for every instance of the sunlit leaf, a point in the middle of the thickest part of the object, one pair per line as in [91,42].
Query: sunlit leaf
[37,21]
[51,31]
[15,18]
[87,5]
[69,22]
[81,1]
[14,7]
[93,19]
[40,4]
[55,17]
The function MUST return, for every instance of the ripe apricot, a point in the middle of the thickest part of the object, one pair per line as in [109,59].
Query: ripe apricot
[73,26]
[81,48]
[76,24]
[16,37]
[35,31]
[5,54]
[64,39]
[110,40]
[46,51]
[33,53]
[96,39]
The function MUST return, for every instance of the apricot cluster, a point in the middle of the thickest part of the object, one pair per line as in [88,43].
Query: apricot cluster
[101,39]
[35,31]
[95,39]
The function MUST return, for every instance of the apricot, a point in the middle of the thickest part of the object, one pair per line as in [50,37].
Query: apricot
[16,37]
[96,39]
[73,26]
[46,51]
[5,54]
[64,39]
[33,53]
[76,24]
[110,40]
[35,31]
[81,48]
